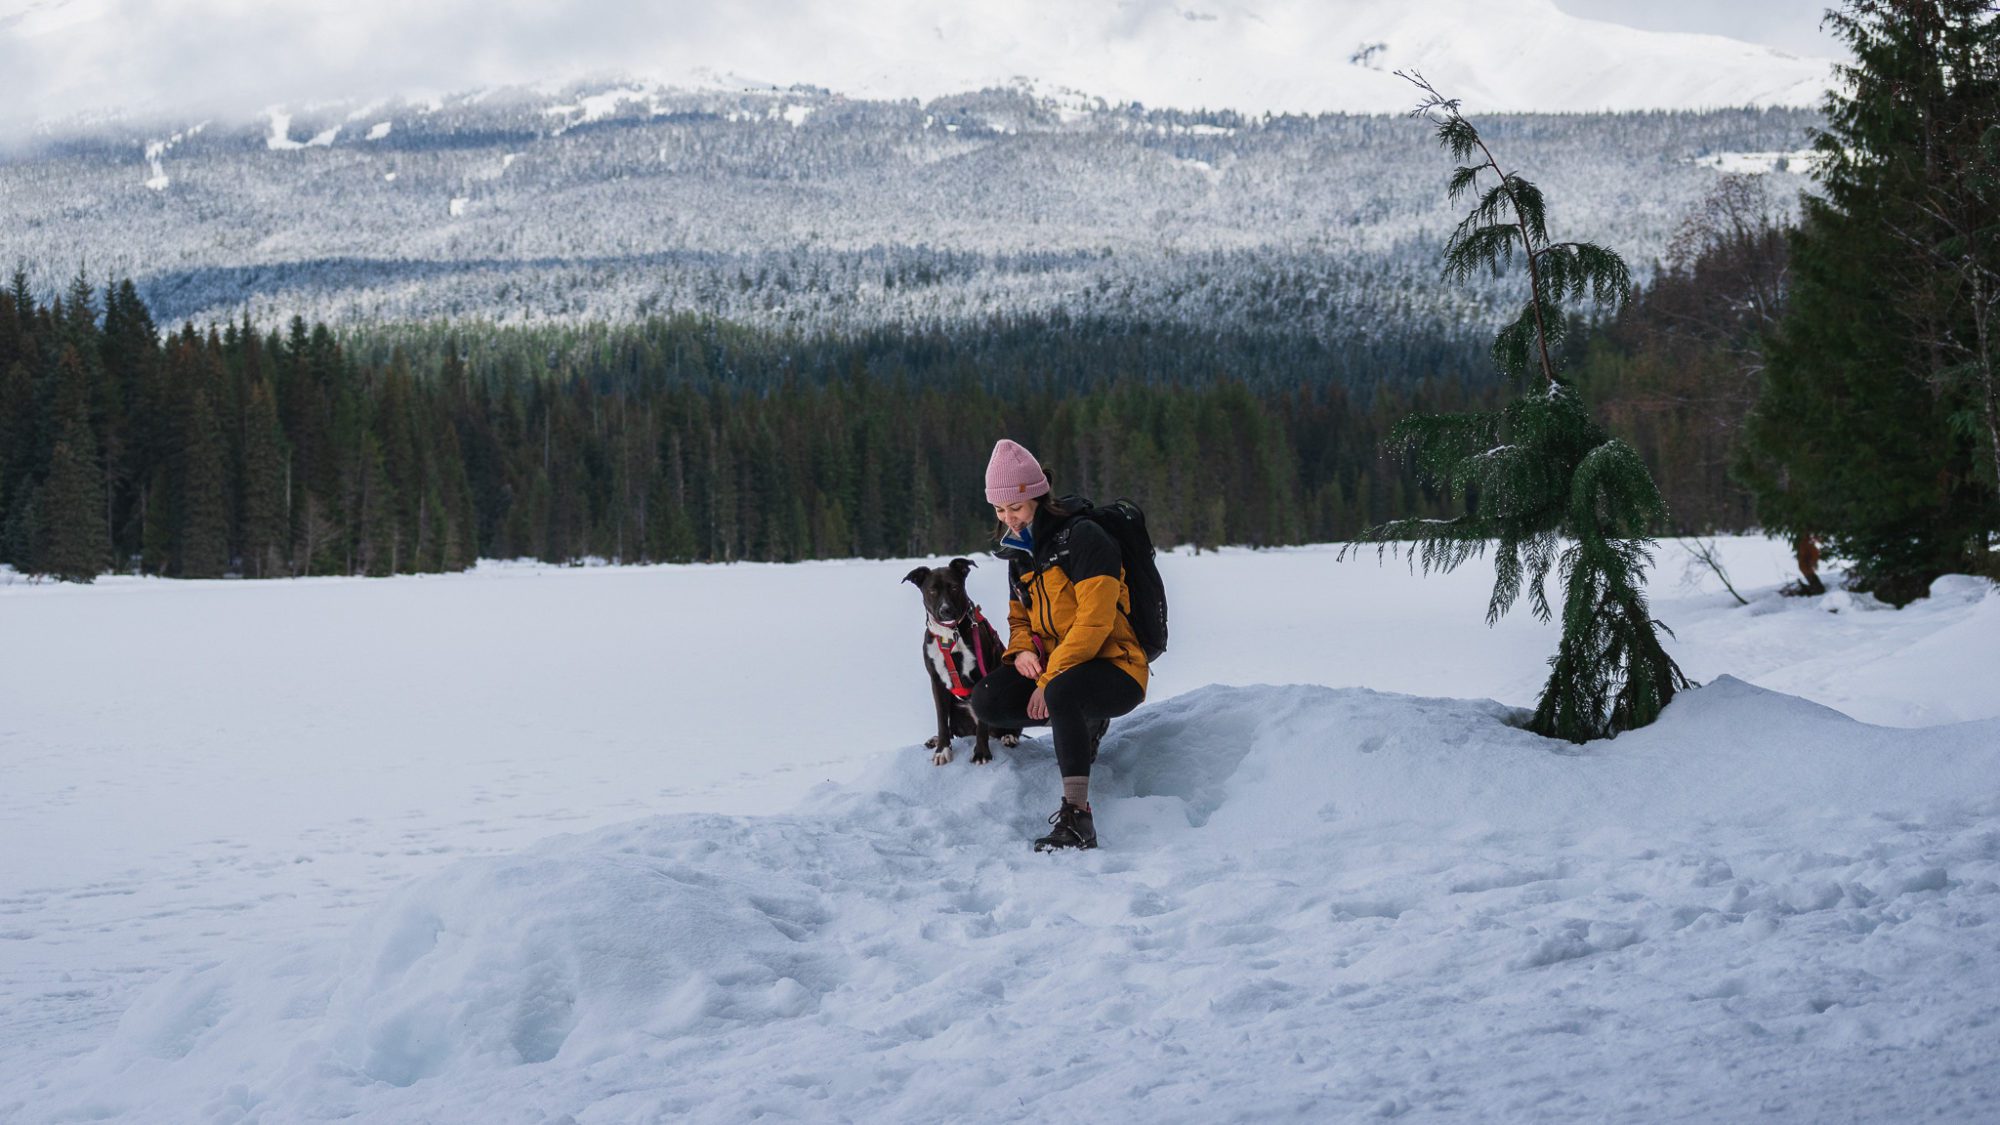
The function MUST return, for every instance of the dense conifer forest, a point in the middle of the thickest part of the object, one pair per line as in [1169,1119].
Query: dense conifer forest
[232,450]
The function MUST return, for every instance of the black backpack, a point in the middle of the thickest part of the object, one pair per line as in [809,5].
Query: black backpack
[1127,524]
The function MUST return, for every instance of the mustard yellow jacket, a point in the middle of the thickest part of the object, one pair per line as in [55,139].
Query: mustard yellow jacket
[1067,599]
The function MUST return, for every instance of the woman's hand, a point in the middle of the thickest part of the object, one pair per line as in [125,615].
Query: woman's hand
[1030,667]
[1038,707]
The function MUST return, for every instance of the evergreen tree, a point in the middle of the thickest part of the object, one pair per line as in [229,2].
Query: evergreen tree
[75,547]
[17,426]
[461,543]
[1542,471]
[21,528]
[674,538]
[1877,427]
[672,533]
[156,521]
[264,523]
[17,310]
[395,431]
[202,542]
[375,514]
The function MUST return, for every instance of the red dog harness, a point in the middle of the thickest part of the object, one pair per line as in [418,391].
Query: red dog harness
[958,685]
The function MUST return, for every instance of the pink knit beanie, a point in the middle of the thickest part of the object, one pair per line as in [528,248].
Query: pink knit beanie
[1013,475]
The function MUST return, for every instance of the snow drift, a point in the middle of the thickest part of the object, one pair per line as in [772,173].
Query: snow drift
[1312,903]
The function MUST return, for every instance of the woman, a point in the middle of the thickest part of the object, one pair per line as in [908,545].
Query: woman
[1072,660]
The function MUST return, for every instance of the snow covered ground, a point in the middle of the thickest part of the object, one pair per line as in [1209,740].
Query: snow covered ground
[287,852]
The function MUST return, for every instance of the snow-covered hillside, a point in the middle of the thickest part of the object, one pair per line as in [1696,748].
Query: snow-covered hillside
[843,167]
[801,210]
[206,57]
[297,854]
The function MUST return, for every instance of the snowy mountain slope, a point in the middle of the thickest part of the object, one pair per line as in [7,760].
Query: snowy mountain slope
[578,204]
[1314,904]
[201,57]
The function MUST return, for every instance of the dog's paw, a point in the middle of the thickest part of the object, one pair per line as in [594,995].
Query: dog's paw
[931,743]
[942,757]
[1009,741]
[982,757]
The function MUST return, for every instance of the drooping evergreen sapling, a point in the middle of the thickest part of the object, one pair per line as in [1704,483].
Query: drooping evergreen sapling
[1547,489]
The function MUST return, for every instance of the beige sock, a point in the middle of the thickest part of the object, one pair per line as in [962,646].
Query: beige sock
[1076,790]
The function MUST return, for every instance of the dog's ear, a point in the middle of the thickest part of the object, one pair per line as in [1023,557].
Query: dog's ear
[917,576]
[960,566]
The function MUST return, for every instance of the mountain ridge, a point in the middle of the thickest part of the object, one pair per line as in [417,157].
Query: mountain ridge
[804,210]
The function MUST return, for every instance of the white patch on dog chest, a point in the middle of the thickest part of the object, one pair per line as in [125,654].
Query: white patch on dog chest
[953,652]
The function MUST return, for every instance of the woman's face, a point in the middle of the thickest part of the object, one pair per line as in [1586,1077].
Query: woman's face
[1016,515]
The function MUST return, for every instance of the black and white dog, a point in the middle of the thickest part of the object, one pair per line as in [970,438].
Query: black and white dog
[960,648]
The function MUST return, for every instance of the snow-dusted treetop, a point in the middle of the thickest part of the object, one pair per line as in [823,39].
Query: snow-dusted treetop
[71,58]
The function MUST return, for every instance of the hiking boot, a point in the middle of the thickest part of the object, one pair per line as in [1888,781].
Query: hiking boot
[1073,829]
[1097,729]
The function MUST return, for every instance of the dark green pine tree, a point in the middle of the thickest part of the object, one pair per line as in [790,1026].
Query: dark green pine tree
[458,537]
[376,504]
[202,544]
[1548,490]
[75,547]
[265,524]
[156,523]
[21,527]
[725,487]
[671,535]
[17,440]
[1877,427]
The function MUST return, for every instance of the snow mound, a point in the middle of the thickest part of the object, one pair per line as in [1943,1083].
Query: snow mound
[1936,660]
[1311,903]
[511,959]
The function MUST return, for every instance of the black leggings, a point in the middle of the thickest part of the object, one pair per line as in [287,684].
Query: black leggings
[1091,691]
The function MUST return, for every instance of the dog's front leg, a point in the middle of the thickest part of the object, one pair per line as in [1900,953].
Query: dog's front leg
[941,745]
[982,751]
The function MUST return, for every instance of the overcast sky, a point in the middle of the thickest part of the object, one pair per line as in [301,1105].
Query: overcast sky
[61,57]
[1789,25]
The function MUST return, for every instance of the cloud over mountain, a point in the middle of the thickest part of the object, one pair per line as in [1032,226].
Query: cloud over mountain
[232,58]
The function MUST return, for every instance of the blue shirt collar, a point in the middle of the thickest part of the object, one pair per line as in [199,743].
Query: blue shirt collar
[1023,540]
